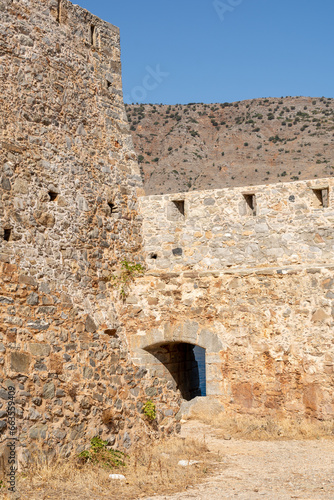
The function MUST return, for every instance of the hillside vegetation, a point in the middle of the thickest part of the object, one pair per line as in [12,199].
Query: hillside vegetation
[208,146]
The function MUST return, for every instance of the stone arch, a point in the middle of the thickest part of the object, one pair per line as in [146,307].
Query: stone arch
[143,345]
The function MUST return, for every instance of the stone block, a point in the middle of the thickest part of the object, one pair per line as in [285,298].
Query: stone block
[49,390]
[209,201]
[151,391]
[190,330]
[209,341]
[90,325]
[127,441]
[39,349]
[33,299]
[38,431]
[6,300]
[214,388]
[319,316]
[20,361]
[38,325]
[88,372]
[201,407]
[59,434]
[213,372]
[212,357]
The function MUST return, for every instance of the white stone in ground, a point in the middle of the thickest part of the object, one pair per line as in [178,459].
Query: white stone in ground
[185,463]
[117,476]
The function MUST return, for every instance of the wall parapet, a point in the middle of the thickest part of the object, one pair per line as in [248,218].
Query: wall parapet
[271,225]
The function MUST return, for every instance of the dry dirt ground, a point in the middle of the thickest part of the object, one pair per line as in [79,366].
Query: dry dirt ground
[273,470]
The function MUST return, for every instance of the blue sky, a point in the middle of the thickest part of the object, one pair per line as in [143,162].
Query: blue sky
[181,51]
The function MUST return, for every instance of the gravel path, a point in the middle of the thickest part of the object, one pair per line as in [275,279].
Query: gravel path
[274,470]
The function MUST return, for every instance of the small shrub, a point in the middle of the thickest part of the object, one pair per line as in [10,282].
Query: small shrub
[275,139]
[129,271]
[99,454]
[149,410]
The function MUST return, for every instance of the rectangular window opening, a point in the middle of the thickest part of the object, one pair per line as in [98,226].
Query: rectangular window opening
[179,204]
[52,195]
[113,208]
[250,203]
[322,196]
[7,234]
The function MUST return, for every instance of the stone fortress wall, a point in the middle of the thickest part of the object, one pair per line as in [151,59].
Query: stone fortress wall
[69,184]
[247,274]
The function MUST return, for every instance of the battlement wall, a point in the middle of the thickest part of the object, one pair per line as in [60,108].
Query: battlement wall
[271,225]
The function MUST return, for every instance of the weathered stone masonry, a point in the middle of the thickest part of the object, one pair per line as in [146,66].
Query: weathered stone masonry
[69,183]
[213,230]
[247,274]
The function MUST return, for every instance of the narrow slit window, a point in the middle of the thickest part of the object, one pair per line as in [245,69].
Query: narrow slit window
[250,200]
[53,195]
[179,204]
[108,84]
[59,11]
[322,197]
[93,35]
[7,234]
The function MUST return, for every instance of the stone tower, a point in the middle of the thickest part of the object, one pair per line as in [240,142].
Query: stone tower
[69,183]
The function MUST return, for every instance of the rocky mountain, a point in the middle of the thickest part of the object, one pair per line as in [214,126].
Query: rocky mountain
[258,141]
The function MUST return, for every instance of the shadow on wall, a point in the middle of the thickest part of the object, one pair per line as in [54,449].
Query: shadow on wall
[186,366]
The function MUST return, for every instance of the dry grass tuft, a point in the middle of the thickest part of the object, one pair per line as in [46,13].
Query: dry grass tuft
[270,428]
[149,469]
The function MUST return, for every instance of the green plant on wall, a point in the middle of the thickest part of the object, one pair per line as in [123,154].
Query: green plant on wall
[100,454]
[127,274]
[149,410]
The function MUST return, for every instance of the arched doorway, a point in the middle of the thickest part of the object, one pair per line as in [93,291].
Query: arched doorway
[185,366]
[192,346]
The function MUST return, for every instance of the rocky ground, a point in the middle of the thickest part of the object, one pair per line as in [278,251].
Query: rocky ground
[208,146]
[273,470]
